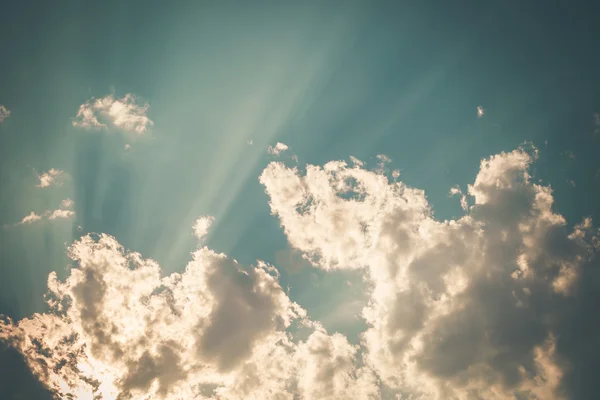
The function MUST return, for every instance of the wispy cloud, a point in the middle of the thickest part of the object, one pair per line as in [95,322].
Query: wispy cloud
[123,113]
[277,149]
[4,113]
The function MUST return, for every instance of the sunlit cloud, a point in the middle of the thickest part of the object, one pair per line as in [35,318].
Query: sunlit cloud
[277,149]
[4,113]
[218,330]
[480,111]
[32,217]
[124,113]
[53,177]
[441,288]
[202,225]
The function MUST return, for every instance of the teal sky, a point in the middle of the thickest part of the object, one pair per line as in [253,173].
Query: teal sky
[330,79]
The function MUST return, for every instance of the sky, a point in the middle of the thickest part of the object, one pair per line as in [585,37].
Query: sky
[299,200]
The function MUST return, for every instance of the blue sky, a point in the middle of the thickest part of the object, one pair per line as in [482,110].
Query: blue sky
[221,82]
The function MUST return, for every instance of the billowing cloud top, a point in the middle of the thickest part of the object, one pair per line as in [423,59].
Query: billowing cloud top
[481,307]
[4,113]
[122,113]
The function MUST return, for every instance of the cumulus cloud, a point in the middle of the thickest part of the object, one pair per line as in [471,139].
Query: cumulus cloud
[61,214]
[278,149]
[473,308]
[53,177]
[124,113]
[118,329]
[4,113]
[479,307]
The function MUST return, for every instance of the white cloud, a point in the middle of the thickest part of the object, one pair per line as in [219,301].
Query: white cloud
[32,217]
[123,113]
[459,309]
[4,113]
[202,225]
[480,307]
[53,177]
[250,143]
[64,213]
[480,111]
[118,329]
[278,149]
[61,214]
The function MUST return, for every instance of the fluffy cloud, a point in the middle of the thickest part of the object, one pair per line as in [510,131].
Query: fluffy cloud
[31,218]
[493,305]
[4,113]
[474,308]
[52,177]
[278,149]
[120,330]
[63,213]
[202,225]
[122,113]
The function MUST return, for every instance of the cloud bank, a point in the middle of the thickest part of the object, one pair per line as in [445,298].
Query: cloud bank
[123,113]
[481,307]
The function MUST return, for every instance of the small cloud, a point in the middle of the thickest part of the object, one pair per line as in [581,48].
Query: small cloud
[383,160]
[52,177]
[278,149]
[455,191]
[31,218]
[67,203]
[250,143]
[61,214]
[202,225]
[122,113]
[570,154]
[4,113]
[396,174]
[571,182]
[127,146]
[356,161]
[480,111]
[596,122]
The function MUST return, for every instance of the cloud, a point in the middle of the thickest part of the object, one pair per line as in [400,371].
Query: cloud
[64,213]
[4,113]
[61,214]
[495,304]
[278,149]
[119,330]
[31,218]
[52,177]
[480,111]
[202,225]
[123,113]
[470,308]
[596,122]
